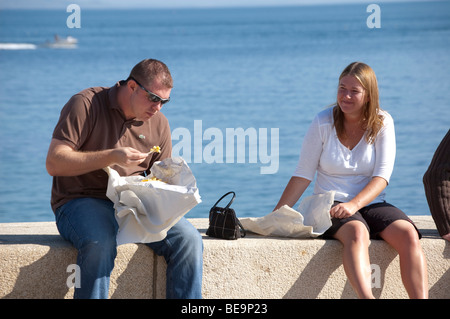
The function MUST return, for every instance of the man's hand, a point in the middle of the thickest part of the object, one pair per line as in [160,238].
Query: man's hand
[63,160]
[128,156]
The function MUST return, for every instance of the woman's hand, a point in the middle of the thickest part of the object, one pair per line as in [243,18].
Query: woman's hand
[293,191]
[343,210]
[364,198]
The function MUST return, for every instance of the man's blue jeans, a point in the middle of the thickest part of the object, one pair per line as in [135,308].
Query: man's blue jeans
[89,224]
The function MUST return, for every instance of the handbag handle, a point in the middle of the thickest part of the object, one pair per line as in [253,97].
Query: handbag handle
[231,201]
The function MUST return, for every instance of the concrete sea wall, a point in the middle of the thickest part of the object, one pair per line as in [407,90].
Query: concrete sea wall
[35,262]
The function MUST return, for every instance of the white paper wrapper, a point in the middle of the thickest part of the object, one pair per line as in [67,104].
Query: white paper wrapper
[145,211]
[311,219]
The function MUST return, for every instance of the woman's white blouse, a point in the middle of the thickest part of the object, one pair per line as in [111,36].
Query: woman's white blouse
[340,169]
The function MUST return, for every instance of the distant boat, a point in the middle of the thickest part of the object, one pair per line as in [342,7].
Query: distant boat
[62,43]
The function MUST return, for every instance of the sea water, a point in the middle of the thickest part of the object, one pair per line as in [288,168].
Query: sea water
[262,73]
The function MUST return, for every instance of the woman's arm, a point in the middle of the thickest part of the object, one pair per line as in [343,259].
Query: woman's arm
[365,197]
[294,189]
[306,167]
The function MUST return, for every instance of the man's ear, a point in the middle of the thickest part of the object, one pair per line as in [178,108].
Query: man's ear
[132,84]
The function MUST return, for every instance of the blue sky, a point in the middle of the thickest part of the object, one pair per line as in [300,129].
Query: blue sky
[60,4]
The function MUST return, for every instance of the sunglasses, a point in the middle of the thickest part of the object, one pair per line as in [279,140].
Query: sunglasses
[151,96]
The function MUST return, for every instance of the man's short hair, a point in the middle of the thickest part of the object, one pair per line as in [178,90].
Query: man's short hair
[149,70]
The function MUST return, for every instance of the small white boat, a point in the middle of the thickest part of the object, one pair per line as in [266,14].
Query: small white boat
[62,43]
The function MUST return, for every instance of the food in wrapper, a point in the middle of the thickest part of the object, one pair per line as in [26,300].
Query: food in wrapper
[145,211]
[155,149]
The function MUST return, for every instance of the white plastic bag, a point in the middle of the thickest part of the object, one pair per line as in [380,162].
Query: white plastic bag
[311,219]
[145,211]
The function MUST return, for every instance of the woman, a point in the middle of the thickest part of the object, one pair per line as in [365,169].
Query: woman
[351,146]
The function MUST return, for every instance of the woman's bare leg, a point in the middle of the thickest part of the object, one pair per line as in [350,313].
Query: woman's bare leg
[402,236]
[355,238]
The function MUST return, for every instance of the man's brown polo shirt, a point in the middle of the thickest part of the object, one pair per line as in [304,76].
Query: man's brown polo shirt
[91,121]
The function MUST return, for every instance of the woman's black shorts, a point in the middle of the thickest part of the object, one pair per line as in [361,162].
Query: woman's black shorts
[375,217]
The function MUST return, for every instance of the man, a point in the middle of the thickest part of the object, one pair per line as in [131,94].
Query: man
[116,127]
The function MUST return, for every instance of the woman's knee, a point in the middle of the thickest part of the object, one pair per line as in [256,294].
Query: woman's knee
[402,235]
[353,232]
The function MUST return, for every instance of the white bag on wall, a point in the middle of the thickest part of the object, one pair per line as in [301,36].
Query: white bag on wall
[311,219]
[146,210]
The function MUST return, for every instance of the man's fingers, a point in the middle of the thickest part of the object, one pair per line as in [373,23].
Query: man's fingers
[129,156]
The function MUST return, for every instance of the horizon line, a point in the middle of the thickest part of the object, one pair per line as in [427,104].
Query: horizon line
[89,6]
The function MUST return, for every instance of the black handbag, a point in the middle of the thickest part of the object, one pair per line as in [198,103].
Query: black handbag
[223,222]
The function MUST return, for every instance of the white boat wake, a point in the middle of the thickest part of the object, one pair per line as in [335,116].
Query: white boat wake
[17,46]
[58,43]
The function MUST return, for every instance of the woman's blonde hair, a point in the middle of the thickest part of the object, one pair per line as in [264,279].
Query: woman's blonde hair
[372,120]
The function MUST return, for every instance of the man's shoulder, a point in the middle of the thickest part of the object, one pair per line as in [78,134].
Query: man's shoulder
[86,98]
[89,93]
